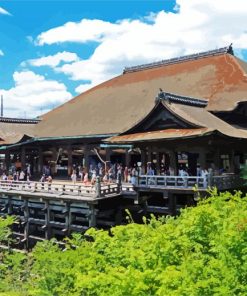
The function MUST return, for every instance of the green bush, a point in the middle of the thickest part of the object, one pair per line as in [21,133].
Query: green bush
[201,252]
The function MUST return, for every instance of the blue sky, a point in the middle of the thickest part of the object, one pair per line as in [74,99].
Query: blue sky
[51,51]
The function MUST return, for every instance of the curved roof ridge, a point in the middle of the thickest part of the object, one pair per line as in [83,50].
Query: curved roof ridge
[219,51]
[19,120]
[181,99]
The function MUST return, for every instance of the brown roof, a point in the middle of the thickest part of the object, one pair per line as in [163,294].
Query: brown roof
[116,105]
[203,118]
[160,135]
[11,132]
[204,122]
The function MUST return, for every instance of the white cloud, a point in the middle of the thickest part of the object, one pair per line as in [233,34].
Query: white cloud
[196,26]
[3,11]
[86,30]
[1,53]
[53,60]
[32,95]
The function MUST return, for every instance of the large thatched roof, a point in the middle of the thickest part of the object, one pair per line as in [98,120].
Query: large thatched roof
[116,105]
[13,130]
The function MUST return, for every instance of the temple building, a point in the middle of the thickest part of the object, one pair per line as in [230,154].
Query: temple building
[191,109]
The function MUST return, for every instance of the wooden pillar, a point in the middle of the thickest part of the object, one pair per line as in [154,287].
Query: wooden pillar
[26,225]
[149,158]
[67,213]
[92,216]
[98,187]
[217,160]
[23,157]
[86,157]
[144,160]
[7,161]
[173,162]
[70,160]
[9,206]
[108,154]
[149,154]
[157,161]
[127,158]
[47,220]
[172,204]
[40,160]
[54,158]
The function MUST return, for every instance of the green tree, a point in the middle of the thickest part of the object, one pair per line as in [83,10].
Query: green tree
[201,252]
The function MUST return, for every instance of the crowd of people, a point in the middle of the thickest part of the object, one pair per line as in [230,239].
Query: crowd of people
[16,173]
[109,173]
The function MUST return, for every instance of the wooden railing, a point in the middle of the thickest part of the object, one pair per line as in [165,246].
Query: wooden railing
[221,182]
[173,181]
[95,191]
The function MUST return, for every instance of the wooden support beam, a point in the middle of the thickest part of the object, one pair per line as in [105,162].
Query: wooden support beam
[47,220]
[127,158]
[217,159]
[68,217]
[149,154]
[7,161]
[86,157]
[172,204]
[174,161]
[108,154]
[144,160]
[70,160]
[26,226]
[23,157]
[9,206]
[92,216]
[40,160]
[54,159]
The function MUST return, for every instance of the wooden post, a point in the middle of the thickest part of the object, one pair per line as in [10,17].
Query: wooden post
[7,160]
[23,157]
[9,205]
[70,161]
[127,158]
[54,158]
[68,218]
[144,160]
[108,154]
[119,182]
[40,160]
[157,161]
[86,158]
[47,220]
[217,159]
[149,154]
[98,187]
[92,216]
[173,162]
[172,204]
[26,226]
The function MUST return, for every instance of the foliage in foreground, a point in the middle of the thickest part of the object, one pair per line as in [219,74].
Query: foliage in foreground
[202,252]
